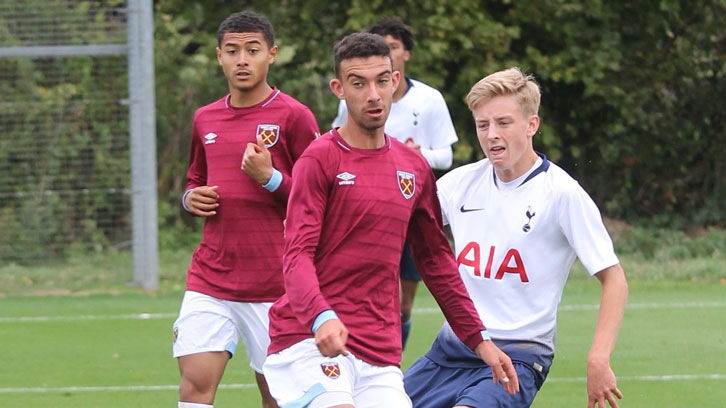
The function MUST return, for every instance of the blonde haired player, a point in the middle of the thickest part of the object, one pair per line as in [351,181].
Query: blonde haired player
[518,223]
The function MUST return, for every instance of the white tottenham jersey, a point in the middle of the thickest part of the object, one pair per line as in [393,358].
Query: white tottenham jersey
[515,247]
[420,115]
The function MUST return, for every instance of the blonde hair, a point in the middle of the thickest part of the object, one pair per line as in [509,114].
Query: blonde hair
[508,82]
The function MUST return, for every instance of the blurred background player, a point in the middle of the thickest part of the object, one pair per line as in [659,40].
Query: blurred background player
[419,118]
[236,272]
[335,333]
[518,223]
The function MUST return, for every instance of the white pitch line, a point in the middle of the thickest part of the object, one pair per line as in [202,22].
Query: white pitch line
[418,310]
[113,388]
[136,316]
[676,377]
[682,377]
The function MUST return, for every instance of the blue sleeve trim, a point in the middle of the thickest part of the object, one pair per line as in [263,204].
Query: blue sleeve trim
[184,199]
[485,335]
[307,398]
[274,182]
[323,317]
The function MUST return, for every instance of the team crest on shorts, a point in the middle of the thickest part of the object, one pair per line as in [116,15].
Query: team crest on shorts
[406,183]
[331,370]
[176,335]
[269,133]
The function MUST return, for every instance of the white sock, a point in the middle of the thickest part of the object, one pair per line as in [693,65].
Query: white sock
[193,405]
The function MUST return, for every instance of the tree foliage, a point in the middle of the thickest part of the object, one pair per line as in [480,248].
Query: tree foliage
[631,90]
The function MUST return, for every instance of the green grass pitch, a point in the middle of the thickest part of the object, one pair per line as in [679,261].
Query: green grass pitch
[96,351]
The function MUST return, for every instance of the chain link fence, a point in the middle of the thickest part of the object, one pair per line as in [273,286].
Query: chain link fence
[65,150]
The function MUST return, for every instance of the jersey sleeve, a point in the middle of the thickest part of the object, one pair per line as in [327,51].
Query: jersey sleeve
[441,158]
[438,268]
[342,115]
[440,125]
[303,129]
[581,222]
[305,212]
[197,172]
[442,193]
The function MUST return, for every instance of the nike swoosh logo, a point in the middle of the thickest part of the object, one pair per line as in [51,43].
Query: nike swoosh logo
[462,209]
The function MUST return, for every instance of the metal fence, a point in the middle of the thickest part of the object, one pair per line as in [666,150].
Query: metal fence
[77,150]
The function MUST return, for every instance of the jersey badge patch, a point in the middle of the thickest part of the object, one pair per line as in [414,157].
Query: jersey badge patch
[406,183]
[345,178]
[530,213]
[331,370]
[210,138]
[176,334]
[270,134]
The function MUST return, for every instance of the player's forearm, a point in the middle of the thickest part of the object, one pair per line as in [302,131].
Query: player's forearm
[612,306]
[440,158]
[303,288]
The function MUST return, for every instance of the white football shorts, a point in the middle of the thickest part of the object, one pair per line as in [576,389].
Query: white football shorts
[206,323]
[299,376]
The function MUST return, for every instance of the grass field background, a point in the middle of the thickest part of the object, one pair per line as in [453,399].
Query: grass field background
[73,335]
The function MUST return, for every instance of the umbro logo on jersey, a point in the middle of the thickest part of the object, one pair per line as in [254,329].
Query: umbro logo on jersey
[269,134]
[345,178]
[210,138]
[465,210]
[530,213]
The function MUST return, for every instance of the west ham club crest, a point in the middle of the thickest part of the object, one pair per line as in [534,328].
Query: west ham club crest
[406,183]
[269,133]
[331,370]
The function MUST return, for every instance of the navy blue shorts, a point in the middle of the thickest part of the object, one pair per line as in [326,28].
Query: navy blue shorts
[434,386]
[408,266]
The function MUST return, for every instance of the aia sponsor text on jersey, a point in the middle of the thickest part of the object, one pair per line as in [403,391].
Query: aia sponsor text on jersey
[512,262]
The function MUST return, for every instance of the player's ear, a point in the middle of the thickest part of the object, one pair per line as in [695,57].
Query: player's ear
[533,125]
[395,80]
[219,55]
[273,54]
[337,87]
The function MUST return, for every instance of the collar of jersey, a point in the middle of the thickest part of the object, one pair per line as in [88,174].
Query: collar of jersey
[541,169]
[345,146]
[275,92]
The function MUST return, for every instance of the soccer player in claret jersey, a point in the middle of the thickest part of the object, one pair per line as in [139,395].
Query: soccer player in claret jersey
[236,272]
[518,223]
[356,193]
[419,118]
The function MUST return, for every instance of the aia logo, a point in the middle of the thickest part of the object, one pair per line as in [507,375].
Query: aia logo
[512,262]
[331,370]
[526,227]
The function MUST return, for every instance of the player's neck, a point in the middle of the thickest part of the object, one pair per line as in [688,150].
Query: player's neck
[249,97]
[361,138]
[402,88]
[516,171]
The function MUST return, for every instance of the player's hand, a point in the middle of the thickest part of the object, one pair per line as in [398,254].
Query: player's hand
[257,162]
[601,385]
[502,368]
[203,201]
[413,145]
[331,337]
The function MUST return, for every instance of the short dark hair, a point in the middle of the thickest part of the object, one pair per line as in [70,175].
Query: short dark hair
[247,22]
[359,45]
[396,28]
